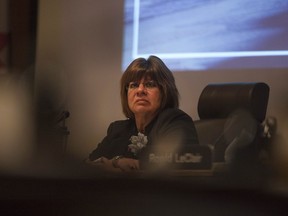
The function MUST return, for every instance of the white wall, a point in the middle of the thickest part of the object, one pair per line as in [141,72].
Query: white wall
[79,48]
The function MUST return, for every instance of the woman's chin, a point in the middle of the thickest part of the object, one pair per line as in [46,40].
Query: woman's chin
[142,110]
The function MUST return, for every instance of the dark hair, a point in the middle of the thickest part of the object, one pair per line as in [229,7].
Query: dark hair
[155,69]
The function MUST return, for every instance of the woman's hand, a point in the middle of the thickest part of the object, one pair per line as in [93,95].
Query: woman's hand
[103,163]
[122,164]
[127,164]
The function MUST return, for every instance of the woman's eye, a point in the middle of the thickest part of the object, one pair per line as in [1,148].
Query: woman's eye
[133,85]
[150,84]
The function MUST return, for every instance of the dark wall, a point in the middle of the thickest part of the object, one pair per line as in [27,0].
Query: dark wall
[22,22]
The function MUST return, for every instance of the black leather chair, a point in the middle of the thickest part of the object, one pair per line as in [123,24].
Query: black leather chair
[230,120]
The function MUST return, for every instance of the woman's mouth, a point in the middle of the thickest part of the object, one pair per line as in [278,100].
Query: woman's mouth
[141,101]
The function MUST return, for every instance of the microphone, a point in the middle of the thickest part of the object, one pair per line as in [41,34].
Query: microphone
[64,115]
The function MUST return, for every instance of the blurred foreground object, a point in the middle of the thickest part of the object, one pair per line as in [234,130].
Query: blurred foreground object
[16,123]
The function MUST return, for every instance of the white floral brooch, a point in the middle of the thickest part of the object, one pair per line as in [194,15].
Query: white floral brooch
[137,143]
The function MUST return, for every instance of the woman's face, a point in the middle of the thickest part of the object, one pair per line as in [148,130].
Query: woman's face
[144,97]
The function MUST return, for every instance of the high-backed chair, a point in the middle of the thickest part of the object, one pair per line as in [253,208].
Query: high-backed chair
[230,120]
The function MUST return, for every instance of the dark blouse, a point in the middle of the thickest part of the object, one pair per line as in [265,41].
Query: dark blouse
[170,126]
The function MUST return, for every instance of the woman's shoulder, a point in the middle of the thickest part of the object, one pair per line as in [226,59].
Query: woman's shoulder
[176,122]
[121,122]
[120,125]
[172,113]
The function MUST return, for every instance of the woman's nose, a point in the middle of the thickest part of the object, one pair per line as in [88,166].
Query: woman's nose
[141,86]
[141,89]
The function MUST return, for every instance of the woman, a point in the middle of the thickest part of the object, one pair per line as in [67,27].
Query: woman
[150,101]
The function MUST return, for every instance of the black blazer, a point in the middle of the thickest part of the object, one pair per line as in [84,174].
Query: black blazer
[172,127]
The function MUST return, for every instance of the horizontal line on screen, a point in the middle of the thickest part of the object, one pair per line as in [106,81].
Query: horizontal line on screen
[215,54]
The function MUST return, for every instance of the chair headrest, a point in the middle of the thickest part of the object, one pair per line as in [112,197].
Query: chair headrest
[220,100]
